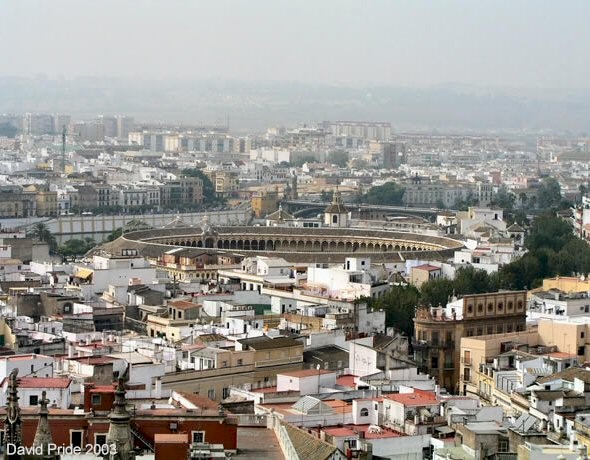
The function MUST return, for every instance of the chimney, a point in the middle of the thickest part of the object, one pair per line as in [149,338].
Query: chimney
[437,391]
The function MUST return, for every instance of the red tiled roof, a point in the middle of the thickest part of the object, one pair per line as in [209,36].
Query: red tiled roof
[339,432]
[417,398]
[25,357]
[201,402]
[346,381]
[427,267]
[42,382]
[183,304]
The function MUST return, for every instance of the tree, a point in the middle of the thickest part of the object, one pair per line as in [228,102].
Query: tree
[504,199]
[549,194]
[469,280]
[583,191]
[523,199]
[209,195]
[325,196]
[338,158]
[40,232]
[76,247]
[549,231]
[436,291]
[115,234]
[387,194]
[399,305]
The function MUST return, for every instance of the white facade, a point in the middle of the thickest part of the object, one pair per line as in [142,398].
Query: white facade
[306,382]
[28,365]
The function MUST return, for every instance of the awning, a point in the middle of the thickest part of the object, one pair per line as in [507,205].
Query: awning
[445,429]
[84,273]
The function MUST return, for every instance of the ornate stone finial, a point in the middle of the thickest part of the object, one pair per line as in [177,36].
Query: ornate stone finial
[13,431]
[119,428]
[43,436]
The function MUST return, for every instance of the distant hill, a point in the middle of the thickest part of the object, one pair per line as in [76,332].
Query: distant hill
[258,105]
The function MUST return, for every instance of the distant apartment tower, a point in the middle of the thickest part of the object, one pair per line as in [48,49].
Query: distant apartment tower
[59,121]
[124,126]
[369,130]
[91,131]
[388,154]
[109,124]
[37,124]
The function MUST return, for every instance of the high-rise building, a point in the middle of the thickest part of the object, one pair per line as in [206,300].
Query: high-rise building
[124,126]
[109,125]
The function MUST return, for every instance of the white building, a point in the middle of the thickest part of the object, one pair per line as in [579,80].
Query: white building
[59,391]
[306,381]
[32,365]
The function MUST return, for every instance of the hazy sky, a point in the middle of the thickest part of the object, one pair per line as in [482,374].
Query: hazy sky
[515,43]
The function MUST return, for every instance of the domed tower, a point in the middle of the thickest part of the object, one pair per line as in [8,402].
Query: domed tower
[336,214]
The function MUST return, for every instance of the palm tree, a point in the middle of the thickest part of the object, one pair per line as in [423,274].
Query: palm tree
[40,232]
[523,199]
[583,190]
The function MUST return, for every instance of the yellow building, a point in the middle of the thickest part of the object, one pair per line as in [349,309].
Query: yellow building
[567,337]
[46,202]
[265,203]
[438,331]
[565,283]
[476,351]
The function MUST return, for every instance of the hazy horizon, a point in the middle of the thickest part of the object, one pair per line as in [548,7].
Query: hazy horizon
[419,44]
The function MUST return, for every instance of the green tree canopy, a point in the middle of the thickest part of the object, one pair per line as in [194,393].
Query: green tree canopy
[399,305]
[76,247]
[387,194]
[209,195]
[338,158]
[549,194]
[40,232]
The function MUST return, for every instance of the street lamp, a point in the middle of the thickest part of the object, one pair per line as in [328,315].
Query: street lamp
[318,367]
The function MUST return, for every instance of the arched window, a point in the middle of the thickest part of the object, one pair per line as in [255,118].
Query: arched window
[364,412]
[335,219]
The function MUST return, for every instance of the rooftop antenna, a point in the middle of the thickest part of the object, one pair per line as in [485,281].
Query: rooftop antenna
[63,149]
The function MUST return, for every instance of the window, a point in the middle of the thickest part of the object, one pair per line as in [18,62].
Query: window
[469,308]
[364,412]
[225,393]
[240,362]
[100,439]
[76,438]
[33,400]
[490,307]
[582,334]
[503,445]
[434,362]
[500,306]
[96,400]
[198,436]
[479,307]
[211,393]
[510,305]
